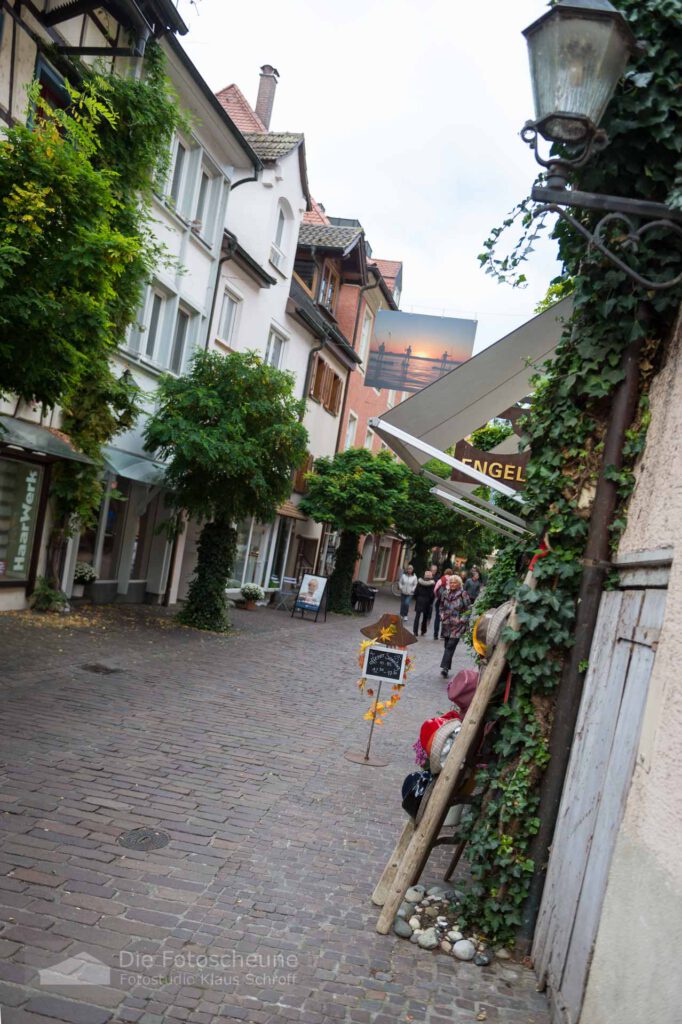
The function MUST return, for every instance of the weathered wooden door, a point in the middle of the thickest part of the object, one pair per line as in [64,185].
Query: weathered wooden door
[598,780]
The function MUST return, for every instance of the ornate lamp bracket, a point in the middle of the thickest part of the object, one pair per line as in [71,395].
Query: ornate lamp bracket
[638,217]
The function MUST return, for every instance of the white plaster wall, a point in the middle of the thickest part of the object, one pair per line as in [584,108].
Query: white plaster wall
[635,969]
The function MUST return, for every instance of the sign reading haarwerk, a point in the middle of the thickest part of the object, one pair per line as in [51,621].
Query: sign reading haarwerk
[510,469]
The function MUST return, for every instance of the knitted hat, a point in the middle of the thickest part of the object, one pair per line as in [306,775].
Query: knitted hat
[462,687]
[442,742]
[431,727]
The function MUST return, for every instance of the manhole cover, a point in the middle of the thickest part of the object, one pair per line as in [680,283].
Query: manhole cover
[99,669]
[144,839]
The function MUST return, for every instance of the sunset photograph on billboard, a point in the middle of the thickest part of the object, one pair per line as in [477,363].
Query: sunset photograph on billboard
[410,350]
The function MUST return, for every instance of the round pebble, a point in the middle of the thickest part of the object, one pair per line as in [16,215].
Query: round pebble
[483,958]
[405,909]
[431,912]
[415,893]
[464,949]
[503,954]
[402,928]
[446,946]
[414,937]
[434,890]
[428,939]
[415,922]
[455,936]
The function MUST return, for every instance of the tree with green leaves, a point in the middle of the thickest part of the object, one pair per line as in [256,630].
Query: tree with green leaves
[231,433]
[357,493]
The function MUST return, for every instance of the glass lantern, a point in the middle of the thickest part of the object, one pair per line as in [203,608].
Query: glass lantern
[578,51]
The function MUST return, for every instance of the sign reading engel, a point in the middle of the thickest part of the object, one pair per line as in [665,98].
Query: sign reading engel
[410,350]
[508,469]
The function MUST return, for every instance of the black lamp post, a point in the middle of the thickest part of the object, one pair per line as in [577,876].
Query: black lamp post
[578,51]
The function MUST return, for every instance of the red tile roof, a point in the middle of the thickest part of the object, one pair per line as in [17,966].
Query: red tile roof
[316,215]
[389,270]
[239,109]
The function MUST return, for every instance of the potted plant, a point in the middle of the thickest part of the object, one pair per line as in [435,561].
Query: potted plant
[251,593]
[83,573]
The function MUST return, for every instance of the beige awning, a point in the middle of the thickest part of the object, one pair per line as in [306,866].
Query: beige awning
[290,511]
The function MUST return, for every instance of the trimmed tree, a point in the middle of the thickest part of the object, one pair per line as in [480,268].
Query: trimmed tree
[357,493]
[231,432]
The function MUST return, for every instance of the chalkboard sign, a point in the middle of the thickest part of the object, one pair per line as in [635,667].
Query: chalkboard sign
[384,663]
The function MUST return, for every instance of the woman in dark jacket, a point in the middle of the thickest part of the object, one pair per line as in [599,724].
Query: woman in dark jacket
[454,604]
[423,601]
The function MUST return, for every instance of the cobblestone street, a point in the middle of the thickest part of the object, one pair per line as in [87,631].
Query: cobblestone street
[234,746]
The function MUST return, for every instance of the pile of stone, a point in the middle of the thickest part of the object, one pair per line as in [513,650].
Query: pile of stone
[431,919]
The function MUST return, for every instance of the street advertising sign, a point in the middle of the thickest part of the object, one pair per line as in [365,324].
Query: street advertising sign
[410,350]
[384,664]
[510,469]
[19,491]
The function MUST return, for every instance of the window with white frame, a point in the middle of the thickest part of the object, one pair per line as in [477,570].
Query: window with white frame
[350,430]
[203,207]
[367,325]
[154,324]
[277,256]
[390,399]
[369,439]
[180,161]
[181,337]
[274,352]
[381,567]
[228,317]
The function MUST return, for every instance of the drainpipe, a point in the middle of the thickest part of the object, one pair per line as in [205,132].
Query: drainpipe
[344,406]
[596,562]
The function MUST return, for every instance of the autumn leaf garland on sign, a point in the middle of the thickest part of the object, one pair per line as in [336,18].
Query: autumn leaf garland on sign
[380,708]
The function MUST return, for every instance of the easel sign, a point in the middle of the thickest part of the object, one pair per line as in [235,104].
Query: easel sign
[384,664]
[312,596]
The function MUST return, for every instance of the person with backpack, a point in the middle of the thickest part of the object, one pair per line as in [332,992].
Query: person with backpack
[454,604]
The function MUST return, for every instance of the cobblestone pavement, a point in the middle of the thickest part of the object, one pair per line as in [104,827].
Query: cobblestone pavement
[234,746]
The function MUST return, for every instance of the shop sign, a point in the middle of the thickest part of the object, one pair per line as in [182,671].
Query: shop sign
[19,491]
[509,469]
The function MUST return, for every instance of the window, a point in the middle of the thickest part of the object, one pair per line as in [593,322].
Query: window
[153,328]
[326,386]
[367,325]
[51,85]
[228,317]
[179,341]
[300,486]
[381,567]
[203,202]
[329,287]
[390,399]
[305,270]
[350,431]
[279,233]
[369,439]
[178,174]
[275,349]
[276,253]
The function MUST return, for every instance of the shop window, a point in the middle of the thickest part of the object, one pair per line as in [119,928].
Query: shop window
[20,485]
[381,567]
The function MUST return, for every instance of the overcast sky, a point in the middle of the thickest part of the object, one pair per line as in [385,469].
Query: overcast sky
[411,111]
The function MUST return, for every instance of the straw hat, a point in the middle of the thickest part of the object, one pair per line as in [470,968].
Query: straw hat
[447,732]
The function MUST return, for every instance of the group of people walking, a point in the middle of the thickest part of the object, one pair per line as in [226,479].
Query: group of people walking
[452,598]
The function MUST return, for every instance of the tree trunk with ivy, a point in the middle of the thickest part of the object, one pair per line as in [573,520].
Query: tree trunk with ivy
[341,580]
[206,605]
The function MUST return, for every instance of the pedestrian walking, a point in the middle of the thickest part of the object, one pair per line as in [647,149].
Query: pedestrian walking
[407,586]
[473,585]
[447,573]
[423,602]
[454,604]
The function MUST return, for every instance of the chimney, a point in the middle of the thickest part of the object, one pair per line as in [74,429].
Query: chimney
[266,93]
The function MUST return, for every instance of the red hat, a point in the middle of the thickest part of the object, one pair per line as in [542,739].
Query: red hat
[462,687]
[431,727]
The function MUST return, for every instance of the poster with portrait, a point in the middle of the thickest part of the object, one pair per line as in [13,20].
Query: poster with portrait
[410,350]
[312,595]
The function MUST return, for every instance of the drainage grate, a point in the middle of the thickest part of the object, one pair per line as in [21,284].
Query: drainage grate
[144,839]
[99,669]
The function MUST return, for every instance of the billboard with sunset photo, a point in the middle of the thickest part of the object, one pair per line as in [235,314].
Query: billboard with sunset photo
[410,350]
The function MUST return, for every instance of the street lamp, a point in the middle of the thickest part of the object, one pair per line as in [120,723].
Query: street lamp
[578,51]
